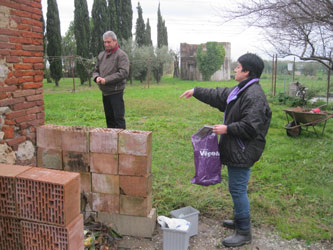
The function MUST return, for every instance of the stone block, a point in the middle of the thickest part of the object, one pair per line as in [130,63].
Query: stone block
[140,186]
[10,233]
[136,206]
[104,163]
[75,139]
[85,182]
[48,196]
[135,142]
[75,161]
[104,140]
[134,165]
[49,136]
[130,225]
[49,158]
[43,236]
[105,183]
[8,174]
[108,203]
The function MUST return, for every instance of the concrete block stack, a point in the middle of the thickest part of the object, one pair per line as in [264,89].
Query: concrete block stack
[115,170]
[39,209]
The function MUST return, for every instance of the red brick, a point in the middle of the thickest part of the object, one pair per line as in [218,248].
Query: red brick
[104,140]
[38,78]
[4,52]
[137,206]
[33,60]
[49,158]
[23,105]
[134,165]
[108,203]
[22,66]
[10,88]
[135,142]
[34,110]
[140,186]
[10,81]
[32,85]
[27,92]
[85,182]
[12,59]
[105,183]
[20,40]
[7,46]
[48,196]
[16,141]
[14,114]
[25,79]
[9,132]
[8,122]
[10,233]
[75,161]
[103,163]
[26,118]
[43,236]
[9,32]
[41,116]
[32,22]
[36,122]
[75,139]
[34,98]
[8,174]
[38,66]
[32,48]
[3,38]
[20,13]
[19,73]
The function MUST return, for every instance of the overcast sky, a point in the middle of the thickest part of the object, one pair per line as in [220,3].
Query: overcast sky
[187,21]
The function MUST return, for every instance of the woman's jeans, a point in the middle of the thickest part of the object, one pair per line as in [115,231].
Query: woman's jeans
[238,180]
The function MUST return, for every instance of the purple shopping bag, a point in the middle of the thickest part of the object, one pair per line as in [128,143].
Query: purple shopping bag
[206,157]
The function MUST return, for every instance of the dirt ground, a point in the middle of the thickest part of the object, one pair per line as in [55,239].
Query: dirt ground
[210,234]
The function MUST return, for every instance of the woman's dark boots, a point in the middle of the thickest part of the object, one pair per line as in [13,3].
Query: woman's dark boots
[228,224]
[242,234]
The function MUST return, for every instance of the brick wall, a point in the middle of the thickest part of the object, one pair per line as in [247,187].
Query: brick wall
[21,77]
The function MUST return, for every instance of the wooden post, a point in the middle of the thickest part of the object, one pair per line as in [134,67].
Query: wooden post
[294,66]
[273,69]
[275,76]
[328,82]
[73,72]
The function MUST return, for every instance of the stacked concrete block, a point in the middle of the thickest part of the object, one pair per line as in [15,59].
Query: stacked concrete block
[39,209]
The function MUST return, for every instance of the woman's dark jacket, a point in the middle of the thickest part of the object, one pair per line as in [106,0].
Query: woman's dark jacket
[248,118]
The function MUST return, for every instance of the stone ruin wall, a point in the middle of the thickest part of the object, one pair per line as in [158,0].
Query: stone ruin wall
[21,79]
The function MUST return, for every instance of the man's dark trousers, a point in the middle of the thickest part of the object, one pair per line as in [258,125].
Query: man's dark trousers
[114,109]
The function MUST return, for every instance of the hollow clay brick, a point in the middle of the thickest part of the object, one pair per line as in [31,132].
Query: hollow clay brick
[75,161]
[43,236]
[49,158]
[104,140]
[48,196]
[108,203]
[85,182]
[140,186]
[137,206]
[105,183]
[134,165]
[7,188]
[10,233]
[49,136]
[135,142]
[104,163]
[75,139]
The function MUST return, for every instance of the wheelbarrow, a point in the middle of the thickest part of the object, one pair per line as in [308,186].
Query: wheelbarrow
[302,117]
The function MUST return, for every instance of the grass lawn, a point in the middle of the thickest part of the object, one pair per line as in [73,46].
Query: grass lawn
[290,187]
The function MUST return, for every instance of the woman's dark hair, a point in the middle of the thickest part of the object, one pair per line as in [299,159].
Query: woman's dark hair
[252,63]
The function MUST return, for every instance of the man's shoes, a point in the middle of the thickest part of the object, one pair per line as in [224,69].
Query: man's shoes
[239,238]
[228,224]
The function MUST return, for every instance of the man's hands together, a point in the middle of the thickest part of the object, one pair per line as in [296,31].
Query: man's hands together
[100,80]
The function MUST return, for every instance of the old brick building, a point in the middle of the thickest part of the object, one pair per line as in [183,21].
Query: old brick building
[21,79]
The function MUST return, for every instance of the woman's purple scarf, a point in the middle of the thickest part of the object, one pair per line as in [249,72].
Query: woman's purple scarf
[233,95]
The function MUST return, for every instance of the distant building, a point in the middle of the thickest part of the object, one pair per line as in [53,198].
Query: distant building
[188,63]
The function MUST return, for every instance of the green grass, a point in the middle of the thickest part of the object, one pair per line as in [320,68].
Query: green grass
[290,187]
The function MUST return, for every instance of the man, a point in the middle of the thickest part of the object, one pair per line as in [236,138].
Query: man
[246,121]
[111,71]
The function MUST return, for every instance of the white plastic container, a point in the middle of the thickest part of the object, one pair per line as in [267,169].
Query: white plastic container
[190,214]
[175,239]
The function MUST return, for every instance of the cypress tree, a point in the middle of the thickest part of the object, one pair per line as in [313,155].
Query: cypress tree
[148,40]
[100,26]
[54,40]
[140,28]
[113,17]
[82,36]
[126,16]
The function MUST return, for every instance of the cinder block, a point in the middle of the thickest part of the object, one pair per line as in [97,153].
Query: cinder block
[49,136]
[130,225]
[108,203]
[48,196]
[75,139]
[140,186]
[105,183]
[10,233]
[8,189]
[85,182]
[135,142]
[75,161]
[137,206]
[43,236]
[104,163]
[104,140]
[134,165]
[49,158]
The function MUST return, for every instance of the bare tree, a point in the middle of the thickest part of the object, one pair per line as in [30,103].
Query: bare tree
[301,28]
